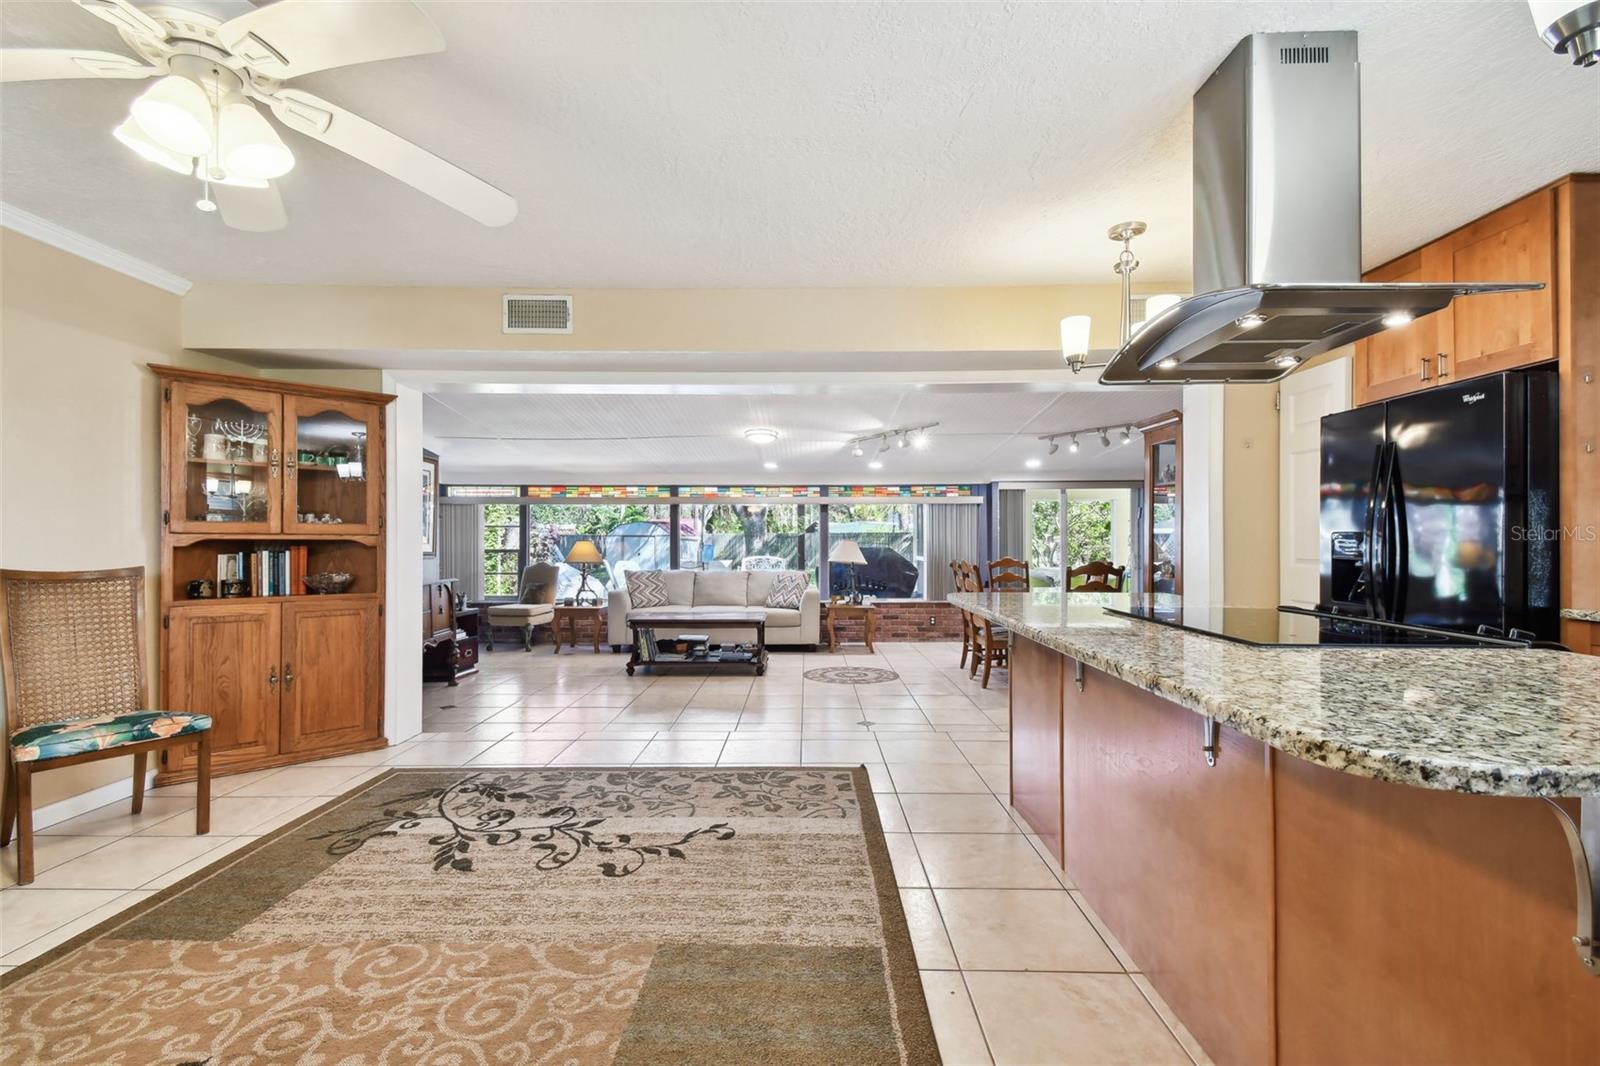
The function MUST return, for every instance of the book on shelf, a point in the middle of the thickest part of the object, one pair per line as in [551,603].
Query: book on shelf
[266,571]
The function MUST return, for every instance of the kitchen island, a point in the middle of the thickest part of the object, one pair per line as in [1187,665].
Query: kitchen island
[1319,855]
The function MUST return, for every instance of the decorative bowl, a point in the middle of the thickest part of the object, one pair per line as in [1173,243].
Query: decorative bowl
[329,584]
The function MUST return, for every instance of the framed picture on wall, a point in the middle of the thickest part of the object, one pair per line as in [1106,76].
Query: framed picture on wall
[430,505]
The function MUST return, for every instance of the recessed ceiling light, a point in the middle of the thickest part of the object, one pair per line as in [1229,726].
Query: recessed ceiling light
[1397,318]
[769,465]
[760,435]
[1169,363]
[1250,321]
[876,464]
[920,439]
[1031,464]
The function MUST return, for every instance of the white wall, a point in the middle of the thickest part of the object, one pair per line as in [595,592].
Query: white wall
[1202,500]
[403,639]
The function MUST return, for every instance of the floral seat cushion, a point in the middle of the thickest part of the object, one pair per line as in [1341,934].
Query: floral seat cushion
[56,739]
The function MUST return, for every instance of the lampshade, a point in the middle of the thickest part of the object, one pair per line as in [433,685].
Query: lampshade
[584,552]
[131,135]
[847,551]
[250,147]
[1074,336]
[176,114]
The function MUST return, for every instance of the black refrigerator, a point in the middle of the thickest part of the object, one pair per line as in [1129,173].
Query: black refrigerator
[1440,508]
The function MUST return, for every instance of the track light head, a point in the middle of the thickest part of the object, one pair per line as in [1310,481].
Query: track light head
[1127,434]
[1055,446]
[1072,444]
[1105,439]
[857,451]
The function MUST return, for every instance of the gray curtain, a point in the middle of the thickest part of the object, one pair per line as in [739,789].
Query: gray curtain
[1013,514]
[461,547]
[952,533]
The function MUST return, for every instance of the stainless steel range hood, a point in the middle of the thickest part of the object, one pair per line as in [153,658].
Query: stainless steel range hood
[1277,224]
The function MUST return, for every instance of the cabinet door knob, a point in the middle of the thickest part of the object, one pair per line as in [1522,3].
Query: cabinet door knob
[1443,361]
[272,464]
[1423,374]
[272,678]
[288,676]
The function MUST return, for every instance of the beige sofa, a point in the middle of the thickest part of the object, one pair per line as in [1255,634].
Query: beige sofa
[710,591]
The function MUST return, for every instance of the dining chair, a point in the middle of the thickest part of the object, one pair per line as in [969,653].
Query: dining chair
[991,644]
[1008,575]
[1098,575]
[958,571]
[72,657]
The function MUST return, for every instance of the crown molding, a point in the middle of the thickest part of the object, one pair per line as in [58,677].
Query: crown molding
[43,230]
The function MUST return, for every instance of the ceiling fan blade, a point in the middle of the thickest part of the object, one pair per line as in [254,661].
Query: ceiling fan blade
[125,17]
[252,210]
[54,64]
[294,37]
[395,156]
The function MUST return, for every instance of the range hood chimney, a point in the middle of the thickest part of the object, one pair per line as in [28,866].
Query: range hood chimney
[1277,224]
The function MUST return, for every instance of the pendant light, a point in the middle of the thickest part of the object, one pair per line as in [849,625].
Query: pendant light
[175,113]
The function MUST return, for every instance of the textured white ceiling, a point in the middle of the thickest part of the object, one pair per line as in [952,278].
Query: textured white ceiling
[699,144]
[641,435]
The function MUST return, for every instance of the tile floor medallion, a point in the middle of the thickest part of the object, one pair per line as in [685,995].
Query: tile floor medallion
[851,675]
[972,879]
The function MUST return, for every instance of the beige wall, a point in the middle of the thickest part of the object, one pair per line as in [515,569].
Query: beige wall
[1249,496]
[79,461]
[330,318]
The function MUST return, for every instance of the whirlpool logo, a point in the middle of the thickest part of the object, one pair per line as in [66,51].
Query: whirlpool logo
[1473,397]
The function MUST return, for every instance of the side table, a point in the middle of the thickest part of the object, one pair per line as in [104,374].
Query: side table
[868,613]
[569,617]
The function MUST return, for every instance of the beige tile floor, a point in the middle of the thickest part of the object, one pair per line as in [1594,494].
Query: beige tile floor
[1015,967]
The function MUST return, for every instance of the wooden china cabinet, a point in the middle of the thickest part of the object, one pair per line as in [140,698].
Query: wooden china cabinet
[1162,513]
[264,485]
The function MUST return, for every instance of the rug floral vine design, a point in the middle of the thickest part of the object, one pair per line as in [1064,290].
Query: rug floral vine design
[507,808]
[851,675]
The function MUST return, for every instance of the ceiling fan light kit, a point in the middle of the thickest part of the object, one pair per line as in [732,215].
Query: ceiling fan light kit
[201,116]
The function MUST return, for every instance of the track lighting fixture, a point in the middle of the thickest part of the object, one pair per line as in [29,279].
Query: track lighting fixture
[858,451]
[1127,434]
[1124,436]
[1105,439]
[1072,445]
[902,442]
[1055,446]
[900,436]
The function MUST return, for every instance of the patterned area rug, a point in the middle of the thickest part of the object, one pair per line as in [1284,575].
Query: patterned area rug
[511,916]
[851,675]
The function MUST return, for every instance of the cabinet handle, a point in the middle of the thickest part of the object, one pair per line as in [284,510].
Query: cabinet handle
[288,676]
[272,678]
[288,465]
[1423,375]
[272,464]
[1443,359]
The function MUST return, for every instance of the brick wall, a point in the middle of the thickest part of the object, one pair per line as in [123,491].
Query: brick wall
[906,621]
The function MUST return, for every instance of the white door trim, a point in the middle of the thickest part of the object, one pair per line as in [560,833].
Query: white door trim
[1303,399]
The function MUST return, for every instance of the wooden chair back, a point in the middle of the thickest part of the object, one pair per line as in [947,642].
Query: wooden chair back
[72,645]
[1009,575]
[1099,575]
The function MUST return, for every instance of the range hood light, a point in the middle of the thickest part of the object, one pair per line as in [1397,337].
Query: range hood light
[1397,318]
[1287,361]
[1169,363]
[1250,321]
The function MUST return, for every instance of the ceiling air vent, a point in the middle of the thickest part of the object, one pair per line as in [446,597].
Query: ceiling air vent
[535,314]
[1303,54]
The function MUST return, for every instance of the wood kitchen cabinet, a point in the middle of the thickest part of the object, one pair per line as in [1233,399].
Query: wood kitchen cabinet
[272,576]
[1475,334]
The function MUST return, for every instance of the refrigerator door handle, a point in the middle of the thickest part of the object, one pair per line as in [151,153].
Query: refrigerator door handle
[1400,568]
[1371,578]
[1381,571]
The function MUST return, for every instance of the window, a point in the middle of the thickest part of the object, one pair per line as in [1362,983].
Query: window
[629,536]
[891,538]
[1097,525]
[502,548]
[753,536]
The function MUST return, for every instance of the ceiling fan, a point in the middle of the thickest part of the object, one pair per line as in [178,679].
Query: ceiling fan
[200,118]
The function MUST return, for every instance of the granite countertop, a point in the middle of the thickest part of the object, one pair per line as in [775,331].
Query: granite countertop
[1579,614]
[1490,721]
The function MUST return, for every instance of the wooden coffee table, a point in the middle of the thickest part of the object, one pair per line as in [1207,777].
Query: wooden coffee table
[868,614]
[570,615]
[701,623]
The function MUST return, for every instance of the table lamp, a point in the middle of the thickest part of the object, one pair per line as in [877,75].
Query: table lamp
[848,552]
[585,556]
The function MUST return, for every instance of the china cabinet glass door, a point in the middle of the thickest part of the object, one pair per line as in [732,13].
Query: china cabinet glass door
[329,479]
[225,460]
[1163,515]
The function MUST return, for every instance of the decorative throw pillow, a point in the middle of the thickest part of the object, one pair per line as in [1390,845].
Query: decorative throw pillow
[533,592]
[787,590]
[646,588]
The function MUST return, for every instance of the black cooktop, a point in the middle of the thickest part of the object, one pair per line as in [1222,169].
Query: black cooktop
[1295,627]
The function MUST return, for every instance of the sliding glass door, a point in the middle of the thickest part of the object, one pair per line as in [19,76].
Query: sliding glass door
[1071,525]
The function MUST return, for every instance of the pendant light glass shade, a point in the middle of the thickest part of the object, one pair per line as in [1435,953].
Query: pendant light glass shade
[250,147]
[130,134]
[176,114]
[1074,336]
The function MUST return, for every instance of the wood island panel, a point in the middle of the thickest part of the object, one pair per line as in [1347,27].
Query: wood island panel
[1424,926]
[1037,676]
[1175,856]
